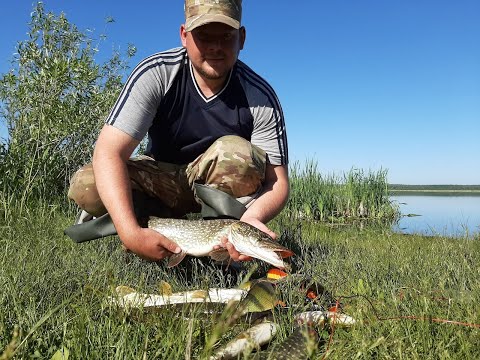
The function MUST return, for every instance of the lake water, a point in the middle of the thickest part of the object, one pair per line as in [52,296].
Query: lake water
[456,216]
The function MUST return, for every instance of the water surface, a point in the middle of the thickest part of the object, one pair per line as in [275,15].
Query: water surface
[456,216]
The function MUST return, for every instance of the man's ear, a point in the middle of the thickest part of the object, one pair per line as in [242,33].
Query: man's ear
[183,35]
[243,36]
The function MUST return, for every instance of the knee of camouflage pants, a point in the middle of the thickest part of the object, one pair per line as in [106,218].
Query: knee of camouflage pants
[84,191]
[162,185]
[232,165]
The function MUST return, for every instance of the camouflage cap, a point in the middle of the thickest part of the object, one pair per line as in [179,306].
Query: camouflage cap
[201,12]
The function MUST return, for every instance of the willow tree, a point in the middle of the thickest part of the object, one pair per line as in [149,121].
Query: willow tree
[53,102]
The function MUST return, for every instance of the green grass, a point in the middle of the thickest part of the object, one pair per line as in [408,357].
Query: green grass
[52,291]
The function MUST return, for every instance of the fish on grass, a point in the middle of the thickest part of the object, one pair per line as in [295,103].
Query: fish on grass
[301,344]
[252,338]
[260,298]
[200,237]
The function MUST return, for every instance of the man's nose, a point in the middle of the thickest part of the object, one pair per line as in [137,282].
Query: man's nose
[215,44]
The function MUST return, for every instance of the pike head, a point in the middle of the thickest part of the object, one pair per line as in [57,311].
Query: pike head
[250,241]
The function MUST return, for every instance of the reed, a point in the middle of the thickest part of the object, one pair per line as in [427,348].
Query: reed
[355,195]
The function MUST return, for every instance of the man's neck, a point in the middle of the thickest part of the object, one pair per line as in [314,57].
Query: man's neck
[208,87]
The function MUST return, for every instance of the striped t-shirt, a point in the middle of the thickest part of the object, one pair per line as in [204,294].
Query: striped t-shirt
[162,98]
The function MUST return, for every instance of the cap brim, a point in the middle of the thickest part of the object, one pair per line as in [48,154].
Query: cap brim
[199,20]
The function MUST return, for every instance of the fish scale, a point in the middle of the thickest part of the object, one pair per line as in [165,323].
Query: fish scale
[196,237]
[200,237]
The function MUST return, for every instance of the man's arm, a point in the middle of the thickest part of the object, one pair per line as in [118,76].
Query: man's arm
[268,205]
[272,199]
[112,151]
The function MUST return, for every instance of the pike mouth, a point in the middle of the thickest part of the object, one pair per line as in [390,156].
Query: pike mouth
[284,253]
[279,250]
[269,255]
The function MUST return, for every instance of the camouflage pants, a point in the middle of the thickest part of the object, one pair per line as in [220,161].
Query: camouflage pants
[231,164]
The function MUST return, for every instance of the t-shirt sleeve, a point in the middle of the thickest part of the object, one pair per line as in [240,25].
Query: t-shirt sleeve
[269,133]
[137,104]
[135,108]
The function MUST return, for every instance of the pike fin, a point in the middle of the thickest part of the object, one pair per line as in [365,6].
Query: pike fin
[219,254]
[176,259]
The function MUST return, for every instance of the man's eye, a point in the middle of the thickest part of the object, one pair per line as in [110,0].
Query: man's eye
[209,38]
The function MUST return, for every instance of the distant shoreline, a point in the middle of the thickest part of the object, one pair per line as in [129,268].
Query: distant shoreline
[447,190]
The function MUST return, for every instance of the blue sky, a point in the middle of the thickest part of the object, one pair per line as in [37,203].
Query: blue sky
[363,84]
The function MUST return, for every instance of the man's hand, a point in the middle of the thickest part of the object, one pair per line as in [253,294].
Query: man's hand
[112,151]
[272,200]
[150,245]
[234,254]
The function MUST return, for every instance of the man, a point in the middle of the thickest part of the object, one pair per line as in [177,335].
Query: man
[210,120]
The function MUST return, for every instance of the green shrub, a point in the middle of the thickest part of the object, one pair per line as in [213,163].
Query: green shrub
[53,102]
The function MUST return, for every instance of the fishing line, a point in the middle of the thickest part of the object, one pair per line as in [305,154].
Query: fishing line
[410,317]
[380,318]
[330,339]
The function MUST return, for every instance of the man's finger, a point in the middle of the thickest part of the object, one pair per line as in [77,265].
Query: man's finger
[272,234]
[169,245]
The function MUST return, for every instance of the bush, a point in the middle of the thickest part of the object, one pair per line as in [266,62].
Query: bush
[53,102]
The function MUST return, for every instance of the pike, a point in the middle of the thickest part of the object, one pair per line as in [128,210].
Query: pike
[301,344]
[201,237]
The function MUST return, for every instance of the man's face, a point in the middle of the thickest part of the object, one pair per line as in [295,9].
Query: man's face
[213,48]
